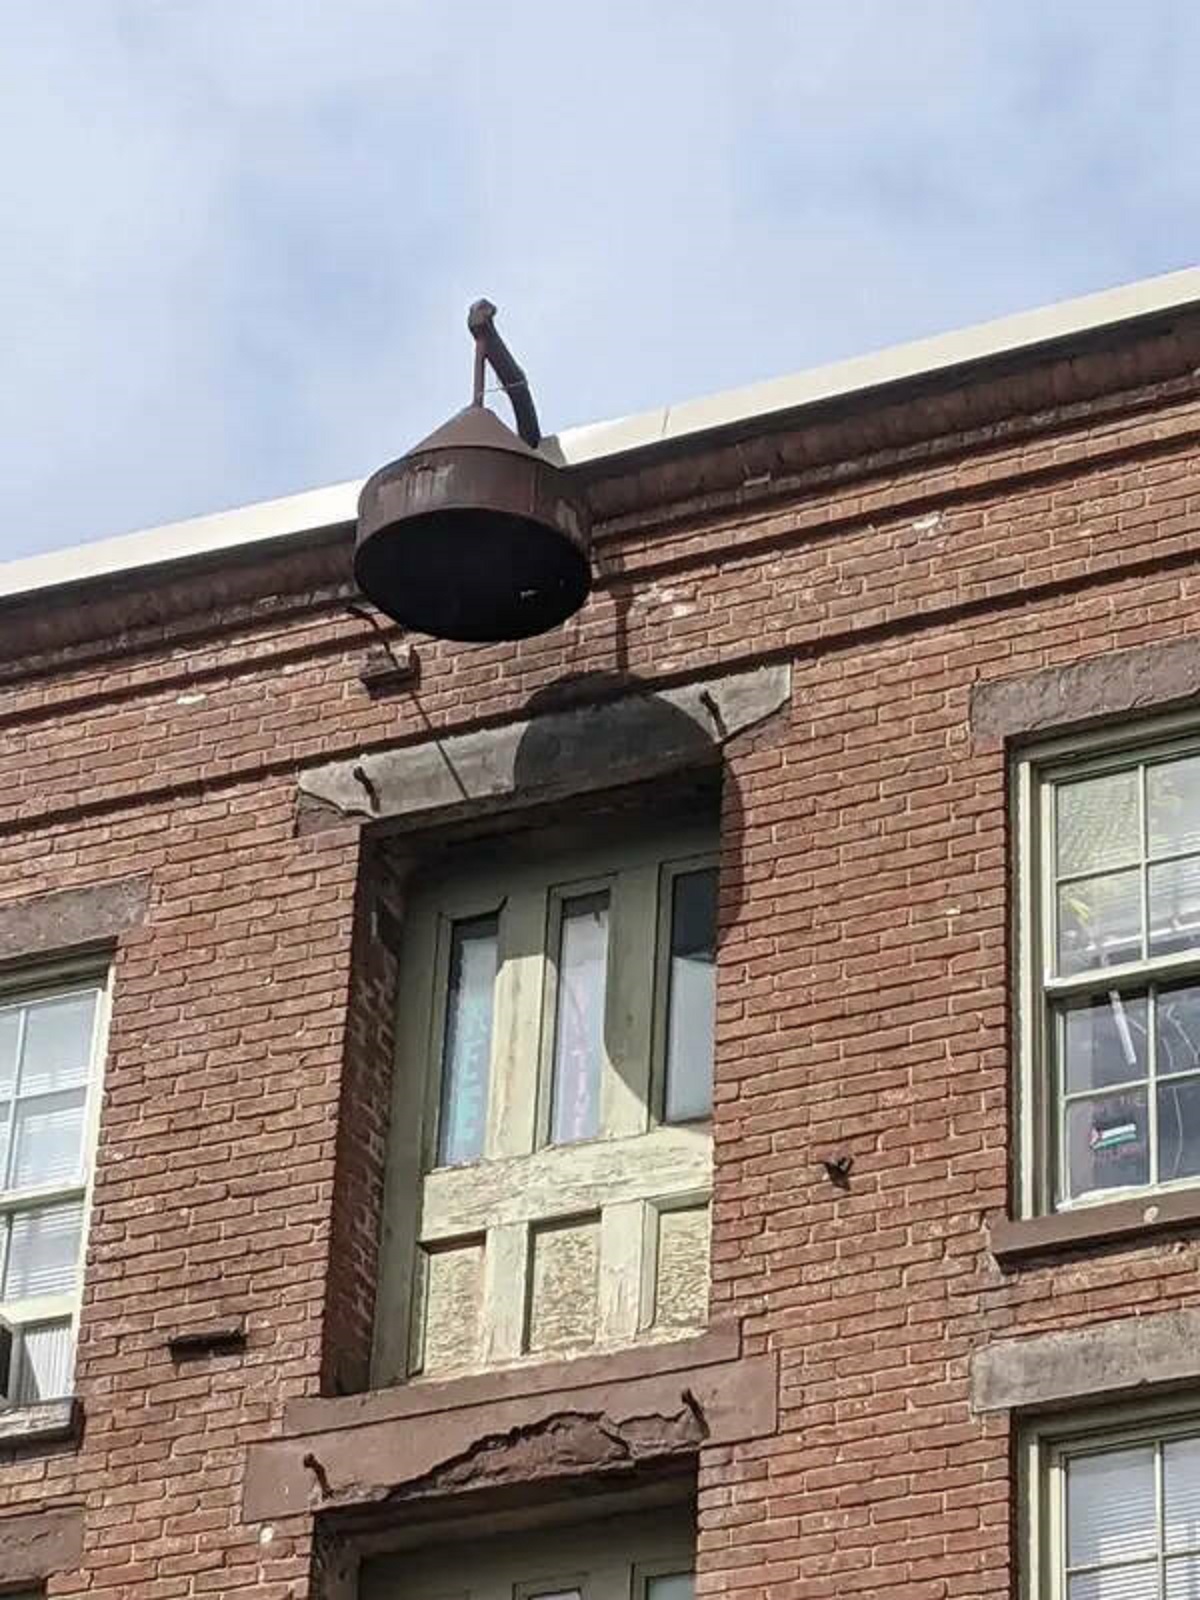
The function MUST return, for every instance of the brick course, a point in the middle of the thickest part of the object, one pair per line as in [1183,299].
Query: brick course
[863,983]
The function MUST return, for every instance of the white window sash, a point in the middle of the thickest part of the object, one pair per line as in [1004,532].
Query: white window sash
[1040,989]
[62,978]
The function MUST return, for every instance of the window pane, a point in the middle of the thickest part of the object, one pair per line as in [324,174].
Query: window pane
[1173,806]
[1110,1506]
[1138,1582]
[1183,1578]
[579,1018]
[1178,1028]
[43,1251]
[10,1032]
[1178,1129]
[58,1042]
[1104,1042]
[467,1052]
[45,1363]
[1107,1143]
[675,1586]
[1181,1494]
[48,1137]
[1174,895]
[1099,921]
[1096,823]
[692,995]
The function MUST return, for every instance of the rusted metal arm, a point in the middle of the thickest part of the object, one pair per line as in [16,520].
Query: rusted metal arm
[491,350]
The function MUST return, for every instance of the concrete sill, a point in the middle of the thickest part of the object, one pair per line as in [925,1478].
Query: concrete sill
[1014,1241]
[49,1422]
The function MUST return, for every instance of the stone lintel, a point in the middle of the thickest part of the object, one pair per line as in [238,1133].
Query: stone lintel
[637,736]
[37,1545]
[1119,683]
[72,919]
[1113,1358]
[591,1432]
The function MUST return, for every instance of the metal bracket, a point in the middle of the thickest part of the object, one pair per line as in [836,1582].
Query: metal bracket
[491,350]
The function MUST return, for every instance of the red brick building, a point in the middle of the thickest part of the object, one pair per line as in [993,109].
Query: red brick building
[714,1088]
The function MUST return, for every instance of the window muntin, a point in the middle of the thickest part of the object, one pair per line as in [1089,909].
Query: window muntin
[1112,951]
[576,1161]
[50,1051]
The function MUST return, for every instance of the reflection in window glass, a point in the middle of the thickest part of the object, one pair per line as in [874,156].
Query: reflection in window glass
[692,992]
[1173,806]
[467,1051]
[582,970]
[1129,1089]
[1098,823]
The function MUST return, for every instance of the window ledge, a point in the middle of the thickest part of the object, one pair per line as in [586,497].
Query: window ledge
[1015,1240]
[48,1422]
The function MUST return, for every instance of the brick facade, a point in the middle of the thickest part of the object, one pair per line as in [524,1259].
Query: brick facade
[898,552]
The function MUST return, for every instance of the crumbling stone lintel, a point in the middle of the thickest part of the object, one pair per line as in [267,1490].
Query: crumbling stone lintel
[591,1433]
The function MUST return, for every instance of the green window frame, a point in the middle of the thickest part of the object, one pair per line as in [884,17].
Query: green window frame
[1134,1531]
[1108,933]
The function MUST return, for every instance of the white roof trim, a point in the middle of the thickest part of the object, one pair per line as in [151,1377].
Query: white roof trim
[270,520]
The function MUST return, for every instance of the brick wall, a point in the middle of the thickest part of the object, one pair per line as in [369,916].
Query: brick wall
[863,977]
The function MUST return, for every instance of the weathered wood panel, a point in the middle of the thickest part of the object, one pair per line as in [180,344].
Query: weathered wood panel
[564,1275]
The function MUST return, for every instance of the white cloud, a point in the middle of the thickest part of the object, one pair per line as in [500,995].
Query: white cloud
[243,234]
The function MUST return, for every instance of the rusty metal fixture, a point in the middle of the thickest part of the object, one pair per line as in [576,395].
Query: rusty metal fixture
[475,535]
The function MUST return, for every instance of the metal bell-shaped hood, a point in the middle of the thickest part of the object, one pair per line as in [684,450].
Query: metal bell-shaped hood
[474,535]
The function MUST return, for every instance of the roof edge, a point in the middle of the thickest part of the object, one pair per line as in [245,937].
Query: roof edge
[269,521]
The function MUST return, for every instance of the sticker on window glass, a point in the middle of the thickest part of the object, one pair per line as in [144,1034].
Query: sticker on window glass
[579,1018]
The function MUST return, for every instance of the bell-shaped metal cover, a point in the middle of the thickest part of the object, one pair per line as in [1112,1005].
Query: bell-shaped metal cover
[473,536]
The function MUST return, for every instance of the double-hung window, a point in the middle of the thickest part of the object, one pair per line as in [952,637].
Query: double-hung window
[550,1164]
[1110,1001]
[51,1042]
[1114,1514]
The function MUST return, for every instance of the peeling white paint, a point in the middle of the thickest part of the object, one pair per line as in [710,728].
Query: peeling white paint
[927,523]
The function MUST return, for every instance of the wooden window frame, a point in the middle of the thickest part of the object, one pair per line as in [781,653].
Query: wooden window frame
[637,868]
[18,987]
[1034,776]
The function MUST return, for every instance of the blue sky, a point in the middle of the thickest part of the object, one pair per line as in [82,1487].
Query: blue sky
[241,235]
